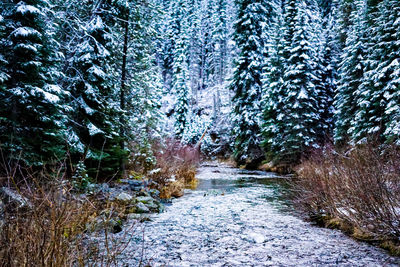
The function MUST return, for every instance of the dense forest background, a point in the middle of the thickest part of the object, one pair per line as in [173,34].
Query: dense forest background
[102,84]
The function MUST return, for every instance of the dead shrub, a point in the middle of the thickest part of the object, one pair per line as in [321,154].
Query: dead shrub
[176,168]
[360,187]
[52,230]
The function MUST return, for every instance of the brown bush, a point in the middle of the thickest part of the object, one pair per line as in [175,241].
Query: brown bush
[360,187]
[177,161]
[51,230]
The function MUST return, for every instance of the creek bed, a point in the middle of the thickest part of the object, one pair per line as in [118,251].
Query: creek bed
[240,218]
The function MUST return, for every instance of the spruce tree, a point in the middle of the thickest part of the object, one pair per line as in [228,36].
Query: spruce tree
[180,67]
[181,88]
[221,40]
[247,78]
[143,87]
[379,82]
[273,91]
[302,120]
[94,117]
[31,104]
[391,68]
[351,72]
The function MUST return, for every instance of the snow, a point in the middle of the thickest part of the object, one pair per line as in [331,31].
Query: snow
[26,47]
[96,24]
[51,98]
[25,32]
[97,71]
[93,130]
[303,94]
[24,8]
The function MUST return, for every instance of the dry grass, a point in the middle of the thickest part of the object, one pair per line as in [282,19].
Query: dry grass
[52,230]
[360,188]
[178,162]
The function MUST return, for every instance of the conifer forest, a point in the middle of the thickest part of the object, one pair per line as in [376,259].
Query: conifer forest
[128,104]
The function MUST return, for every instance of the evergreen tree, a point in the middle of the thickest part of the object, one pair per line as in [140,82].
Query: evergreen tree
[377,88]
[181,89]
[391,68]
[144,86]
[324,67]
[298,84]
[221,40]
[95,120]
[31,104]
[272,104]
[3,62]
[351,71]
[302,120]
[180,67]
[246,82]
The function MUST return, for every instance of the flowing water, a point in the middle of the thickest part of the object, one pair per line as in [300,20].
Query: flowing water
[240,218]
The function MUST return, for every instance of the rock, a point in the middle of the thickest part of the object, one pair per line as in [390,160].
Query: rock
[143,194]
[154,193]
[136,185]
[13,198]
[136,188]
[153,206]
[124,197]
[150,203]
[256,238]
[145,217]
[142,208]
[145,199]
[99,188]
[370,227]
[103,223]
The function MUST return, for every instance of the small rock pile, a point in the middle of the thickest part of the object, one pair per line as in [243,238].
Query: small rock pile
[133,197]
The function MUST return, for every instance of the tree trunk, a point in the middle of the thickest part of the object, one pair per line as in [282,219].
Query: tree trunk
[123,84]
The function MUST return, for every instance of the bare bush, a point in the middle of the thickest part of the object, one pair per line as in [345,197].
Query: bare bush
[52,229]
[179,162]
[360,187]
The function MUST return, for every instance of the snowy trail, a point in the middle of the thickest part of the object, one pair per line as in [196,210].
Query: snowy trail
[239,218]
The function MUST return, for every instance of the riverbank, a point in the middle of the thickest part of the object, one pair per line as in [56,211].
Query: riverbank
[356,191]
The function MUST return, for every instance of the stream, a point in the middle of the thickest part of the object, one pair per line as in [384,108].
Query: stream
[240,218]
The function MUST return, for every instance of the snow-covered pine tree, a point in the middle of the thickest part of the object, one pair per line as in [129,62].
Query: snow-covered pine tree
[180,67]
[273,91]
[253,16]
[377,88]
[324,66]
[95,117]
[31,127]
[3,39]
[391,40]
[351,72]
[180,88]
[207,43]
[143,85]
[194,33]
[220,36]
[342,12]
[302,119]
[167,33]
